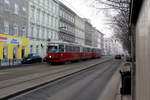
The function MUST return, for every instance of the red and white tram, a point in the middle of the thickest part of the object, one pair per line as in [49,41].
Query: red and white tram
[63,52]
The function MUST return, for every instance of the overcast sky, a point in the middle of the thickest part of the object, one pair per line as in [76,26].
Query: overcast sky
[83,9]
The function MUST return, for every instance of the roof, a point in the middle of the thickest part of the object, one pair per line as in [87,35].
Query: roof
[66,7]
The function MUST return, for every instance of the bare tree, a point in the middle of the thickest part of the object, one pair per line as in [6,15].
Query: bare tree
[120,20]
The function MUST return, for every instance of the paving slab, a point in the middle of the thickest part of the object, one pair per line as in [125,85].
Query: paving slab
[110,91]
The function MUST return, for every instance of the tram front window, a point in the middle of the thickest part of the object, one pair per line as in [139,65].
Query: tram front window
[61,48]
[53,49]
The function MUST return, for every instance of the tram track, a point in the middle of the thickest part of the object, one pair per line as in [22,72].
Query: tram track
[54,90]
[24,71]
[41,77]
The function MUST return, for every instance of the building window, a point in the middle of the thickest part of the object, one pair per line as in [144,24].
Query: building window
[47,20]
[38,15]
[43,18]
[15,29]
[5,52]
[16,11]
[47,2]
[15,52]
[32,13]
[31,48]
[36,1]
[6,4]
[37,49]
[6,28]
[51,21]
[38,32]
[24,11]
[23,30]
[43,30]
[32,30]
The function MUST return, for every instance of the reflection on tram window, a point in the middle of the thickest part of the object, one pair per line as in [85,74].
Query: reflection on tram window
[52,49]
[61,48]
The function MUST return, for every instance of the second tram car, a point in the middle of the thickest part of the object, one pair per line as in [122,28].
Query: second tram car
[59,52]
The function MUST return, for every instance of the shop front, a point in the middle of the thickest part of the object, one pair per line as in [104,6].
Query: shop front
[12,49]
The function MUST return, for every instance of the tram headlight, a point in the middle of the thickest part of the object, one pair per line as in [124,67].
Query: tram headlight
[50,56]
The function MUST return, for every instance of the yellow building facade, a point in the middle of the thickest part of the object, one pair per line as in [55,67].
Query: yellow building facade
[12,49]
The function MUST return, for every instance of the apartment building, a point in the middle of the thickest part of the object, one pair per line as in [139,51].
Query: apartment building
[79,30]
[13,31]
[88,32]
[66,24]
[43,24]
[13,17]
[100,40]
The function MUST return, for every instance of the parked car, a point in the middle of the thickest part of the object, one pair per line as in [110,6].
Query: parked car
[118,57]
[32,58]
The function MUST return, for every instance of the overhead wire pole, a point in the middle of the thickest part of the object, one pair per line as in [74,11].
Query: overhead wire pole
[132,34]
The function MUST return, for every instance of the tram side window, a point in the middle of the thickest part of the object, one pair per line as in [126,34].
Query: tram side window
[96,51]
[77,49]
[5,52]
[92,50]
[71,49]
[85,49]
[61,48]
[89,49]
[67,48]
[52,49]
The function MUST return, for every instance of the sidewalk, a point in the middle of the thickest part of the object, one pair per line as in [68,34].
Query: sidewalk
[112,91]
[122,97]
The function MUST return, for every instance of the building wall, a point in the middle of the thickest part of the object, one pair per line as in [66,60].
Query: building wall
[66,24]
[43,24]
[13,27]
[100,40]
[88,33]
[1,21]
[107,47]
[95,34]
[143,54]
[13,17]
[79,30]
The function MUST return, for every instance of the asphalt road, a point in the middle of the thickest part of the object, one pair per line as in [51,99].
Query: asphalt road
[84,85]
[24,70]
